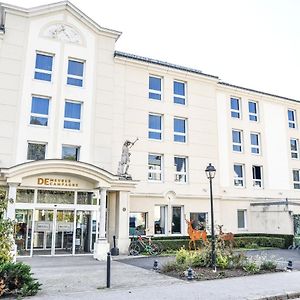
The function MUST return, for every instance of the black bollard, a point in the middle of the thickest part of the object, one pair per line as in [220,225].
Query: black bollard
[190,275]
[108,270]
[290,266]
[155,265]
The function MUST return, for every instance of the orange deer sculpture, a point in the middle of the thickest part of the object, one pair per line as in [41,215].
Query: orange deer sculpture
[195,234]
[228,236]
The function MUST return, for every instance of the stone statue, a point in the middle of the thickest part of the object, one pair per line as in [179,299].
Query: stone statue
[125,159]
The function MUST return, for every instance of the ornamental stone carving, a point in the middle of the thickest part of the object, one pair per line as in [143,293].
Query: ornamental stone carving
[63,33]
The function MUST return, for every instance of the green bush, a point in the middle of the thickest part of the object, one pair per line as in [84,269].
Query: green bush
[259,241]
[222,261]
[16,279]
[251,267]
[268,265]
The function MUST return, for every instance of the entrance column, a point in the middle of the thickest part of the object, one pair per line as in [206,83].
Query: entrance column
[101,247]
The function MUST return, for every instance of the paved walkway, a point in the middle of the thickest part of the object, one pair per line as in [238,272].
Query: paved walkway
[85,278]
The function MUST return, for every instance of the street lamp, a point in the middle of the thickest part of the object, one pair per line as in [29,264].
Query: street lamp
[210,173]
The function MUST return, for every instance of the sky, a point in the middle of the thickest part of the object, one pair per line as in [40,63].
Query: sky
[250,43]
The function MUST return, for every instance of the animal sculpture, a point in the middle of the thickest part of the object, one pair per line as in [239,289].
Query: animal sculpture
[195,234]
[225,237]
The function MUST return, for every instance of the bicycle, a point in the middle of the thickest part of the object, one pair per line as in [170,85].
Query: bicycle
[143,244]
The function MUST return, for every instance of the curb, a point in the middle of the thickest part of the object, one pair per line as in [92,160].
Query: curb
[287,295]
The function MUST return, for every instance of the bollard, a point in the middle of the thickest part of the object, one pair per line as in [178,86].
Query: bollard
[190,274]
[289,266]
[155,265]
[108,270]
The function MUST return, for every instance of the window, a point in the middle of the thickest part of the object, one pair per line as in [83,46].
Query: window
[176,219]
[39,111]
[70,152]
[36,151]
[43,67]
[241,218]
[72,115]
[294,148]
[75,72]
[253,111]
[155,127]
[199,220]
[257,176]
[180,130]
[296,179]
[155,167]
[180,169]
[239,180]
[235,108]
[237,140]
[137,223]
[179,92]
[255,142]
[160,219]
[155,88]
[292,118]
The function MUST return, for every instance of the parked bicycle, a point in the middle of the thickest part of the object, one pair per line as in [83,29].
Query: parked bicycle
[143,244]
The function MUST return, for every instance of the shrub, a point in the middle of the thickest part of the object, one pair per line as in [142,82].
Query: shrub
[251,267]
[222,261]
[261,241]
[268,265]
[16,279]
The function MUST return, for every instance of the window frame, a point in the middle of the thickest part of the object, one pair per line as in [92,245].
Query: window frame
[77,148]
[244,211]
[252,114]
[296,152]
[40,115]
[43,71]
[296,182]
[156,92]
[183,97]
[37,143]
[292,123]
[252,146]
[257,183]
[146,222]
[74,120]
[237,144]
[76,76]
[236,111]
[165,219]
[180,173]
[181,219]
[153,171]
[242,179]
[160,131]
[178,133]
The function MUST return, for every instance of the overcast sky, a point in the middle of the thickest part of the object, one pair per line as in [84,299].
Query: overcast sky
[251,43]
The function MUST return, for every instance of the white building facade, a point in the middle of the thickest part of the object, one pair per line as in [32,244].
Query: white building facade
[69,101]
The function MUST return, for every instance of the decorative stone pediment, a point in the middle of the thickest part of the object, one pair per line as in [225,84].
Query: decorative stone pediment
[64,33]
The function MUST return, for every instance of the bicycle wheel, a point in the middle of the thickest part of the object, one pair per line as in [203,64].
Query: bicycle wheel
[154,249]
[134,248]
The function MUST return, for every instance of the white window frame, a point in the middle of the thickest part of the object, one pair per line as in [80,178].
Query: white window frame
[184,134]
[255,146]
[251,113]
[156,91]
[235,178]
[296,182]
[258,183]
[181,220]
[38,143]
[240,144]
[156,130]
[290,122]
[177,95]
[165,219]
[245,219]
[152,171]
[239,111]
[296,152]
[42,70]
[40,115]
[76,76]
[183,173]
[71,146]
[73,119]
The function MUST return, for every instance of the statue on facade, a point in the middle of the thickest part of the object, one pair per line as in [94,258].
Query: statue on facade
[125,159]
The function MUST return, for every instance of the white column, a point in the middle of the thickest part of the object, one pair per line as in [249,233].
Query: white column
[12,194]
[102,213]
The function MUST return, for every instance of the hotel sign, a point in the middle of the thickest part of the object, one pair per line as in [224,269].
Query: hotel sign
[63,182]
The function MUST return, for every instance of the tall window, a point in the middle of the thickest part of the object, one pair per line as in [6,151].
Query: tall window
[199,220]
[235,108]
[239,180]
[36,151]
[179,92]
[255,142]
[43,67]
[137,223]
[160,219]
[72,115]
[155,167]
[75,72]
[241,218]
[237,140]
[180,169]
[257,176]
[176,219]
[294,143]
[155,88]
[253,111]
[292,118]
[39,111]
[155,127]
[180,130]
[296,179]
[70,152]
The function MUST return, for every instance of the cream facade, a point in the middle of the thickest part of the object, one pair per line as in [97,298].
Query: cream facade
[68,103]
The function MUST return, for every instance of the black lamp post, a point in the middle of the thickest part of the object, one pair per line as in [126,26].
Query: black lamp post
[210,173]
